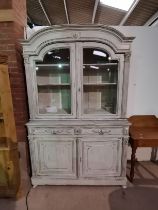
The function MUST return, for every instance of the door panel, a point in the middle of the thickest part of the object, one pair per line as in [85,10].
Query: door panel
[100,157]
[57,157]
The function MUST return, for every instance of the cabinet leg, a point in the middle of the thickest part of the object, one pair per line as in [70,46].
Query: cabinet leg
[124,187]
[34,186]
[133,160]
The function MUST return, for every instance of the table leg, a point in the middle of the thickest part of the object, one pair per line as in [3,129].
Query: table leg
[133,160]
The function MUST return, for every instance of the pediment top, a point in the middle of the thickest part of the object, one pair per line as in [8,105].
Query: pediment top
[77,29]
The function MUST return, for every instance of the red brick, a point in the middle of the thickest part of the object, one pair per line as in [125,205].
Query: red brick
[10,33]
[5,4]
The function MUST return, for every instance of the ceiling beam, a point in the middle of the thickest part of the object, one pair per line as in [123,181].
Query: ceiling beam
[95,10]
[153,20]
[44,11]
[66,11]
[129,12]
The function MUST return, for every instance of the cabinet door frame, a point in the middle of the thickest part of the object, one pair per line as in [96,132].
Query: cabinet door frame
[81,159]
[32,82]
[39,143]
[120,57]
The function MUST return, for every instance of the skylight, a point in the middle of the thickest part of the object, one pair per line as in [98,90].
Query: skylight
[119,4]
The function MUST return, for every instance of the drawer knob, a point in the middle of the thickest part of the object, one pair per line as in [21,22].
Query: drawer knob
[54,132]
[101,132]
[108,131]
[77,131]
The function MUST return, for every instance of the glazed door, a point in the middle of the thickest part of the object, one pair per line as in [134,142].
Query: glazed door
[77,80]
[100,81]
[55,79]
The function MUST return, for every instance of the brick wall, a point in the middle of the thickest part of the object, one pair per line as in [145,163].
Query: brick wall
[10,33]
[5,4]
[19,7]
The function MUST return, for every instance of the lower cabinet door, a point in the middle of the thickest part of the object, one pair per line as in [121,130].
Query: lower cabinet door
[100,157]
[57,157]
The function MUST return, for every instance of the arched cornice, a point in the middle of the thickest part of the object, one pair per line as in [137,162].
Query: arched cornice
[72,33]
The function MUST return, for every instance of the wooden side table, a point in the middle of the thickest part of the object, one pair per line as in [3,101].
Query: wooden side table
[143,133]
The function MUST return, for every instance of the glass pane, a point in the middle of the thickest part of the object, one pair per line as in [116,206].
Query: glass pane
[100,77]
[53,81]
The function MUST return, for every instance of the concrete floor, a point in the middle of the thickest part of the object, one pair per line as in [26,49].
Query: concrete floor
[142,195]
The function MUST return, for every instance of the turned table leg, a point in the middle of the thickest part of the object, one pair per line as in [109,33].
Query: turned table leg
[133,160]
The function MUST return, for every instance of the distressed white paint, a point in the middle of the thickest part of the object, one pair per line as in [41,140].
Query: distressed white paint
[94,152]
[143,85]
[90,148]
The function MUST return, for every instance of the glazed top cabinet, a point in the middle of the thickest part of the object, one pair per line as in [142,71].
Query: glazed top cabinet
[77,80]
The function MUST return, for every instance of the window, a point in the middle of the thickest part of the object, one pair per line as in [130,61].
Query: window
[119,4]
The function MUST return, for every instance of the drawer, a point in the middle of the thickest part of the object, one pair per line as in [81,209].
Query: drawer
[76,131]
[101,131]
[51,131]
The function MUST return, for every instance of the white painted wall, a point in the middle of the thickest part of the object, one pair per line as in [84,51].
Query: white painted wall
[143,83]
[143,78]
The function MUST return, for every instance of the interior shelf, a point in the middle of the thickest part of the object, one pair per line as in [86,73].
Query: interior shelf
[58,111]
[100,64]
[96,111]
[99,84]
[53,85]
[49,64]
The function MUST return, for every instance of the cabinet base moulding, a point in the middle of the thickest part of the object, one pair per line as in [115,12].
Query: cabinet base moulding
[108,181]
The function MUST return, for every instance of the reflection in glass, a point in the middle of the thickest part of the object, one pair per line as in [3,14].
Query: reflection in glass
[53,82]
[100,77]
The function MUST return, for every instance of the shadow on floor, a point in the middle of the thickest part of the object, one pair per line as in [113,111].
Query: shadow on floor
[146,173]
[134,198]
